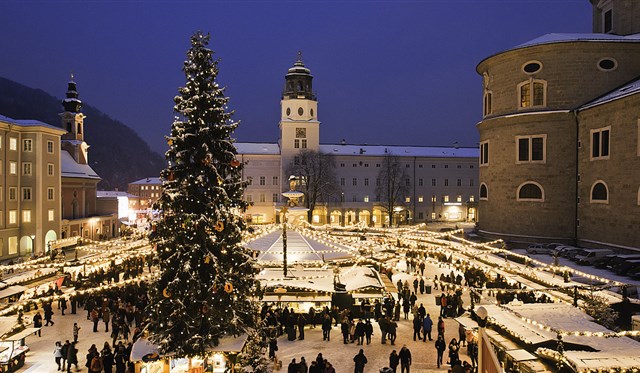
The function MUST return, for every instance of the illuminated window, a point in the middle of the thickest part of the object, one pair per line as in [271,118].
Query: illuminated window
[407,199]
[420,199]
[459,199]
[51,215]
[27,145]
[433,216]
[26,194]
[262,198]
[530,191]
[471,199]
[446,198]
[13,143]
[13,168]
[366,198]
[26,216]
[13,216]
[13,245]
[249,198]
[600,143]
[532,93]
[433,198]
[487,109]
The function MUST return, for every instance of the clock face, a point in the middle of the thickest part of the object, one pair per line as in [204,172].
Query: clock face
[300,111]
[288,111]
[301,132]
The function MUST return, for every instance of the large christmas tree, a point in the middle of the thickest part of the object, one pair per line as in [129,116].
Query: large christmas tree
[206,277]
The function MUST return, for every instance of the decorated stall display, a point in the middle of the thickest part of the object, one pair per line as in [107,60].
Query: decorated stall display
[13,348]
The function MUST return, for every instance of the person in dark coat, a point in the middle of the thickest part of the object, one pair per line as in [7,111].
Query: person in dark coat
[120,360]
[360,361]
[72,357]
[383,323]
[293,367]
[65,352]
[405,359]
[107,358]
[392,327]
[301,323]
[454,351]
[48,314]
[394,360]
[344,328]
[359,334]
[37,322]
[417,327]
[421,285]
[368,331]
[326,328]
[441,346]
[273,347]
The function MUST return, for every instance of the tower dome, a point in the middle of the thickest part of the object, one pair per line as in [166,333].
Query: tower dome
[298,81]
[72,104]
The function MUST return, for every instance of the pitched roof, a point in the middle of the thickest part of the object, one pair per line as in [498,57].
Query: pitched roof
[29,123]
[262,148]
[148,181]
[575,37]
[400,151]
[618,93]
[70,168]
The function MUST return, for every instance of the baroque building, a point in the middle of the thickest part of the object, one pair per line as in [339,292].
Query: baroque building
[559,138]
[441,183]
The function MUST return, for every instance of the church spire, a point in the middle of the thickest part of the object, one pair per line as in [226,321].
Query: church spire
[72,104]
[298,81]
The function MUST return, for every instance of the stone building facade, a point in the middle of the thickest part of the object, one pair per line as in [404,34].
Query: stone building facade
[559,118]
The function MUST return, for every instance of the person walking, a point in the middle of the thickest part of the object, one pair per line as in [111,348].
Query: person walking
[37,323]
[441,346]
[57,353]
[454,351]
[48,314]
[368,330]
[64,351]
[106,317]
[383,323]
[301,323]
[360,361]
[462,334]
[405,359]
[76,331]
[427,325]
[394,360]
[107,358]
[63,305]
[72,357]
[95,318]
[391,330]
[344,328]
[359,334]
[440,326]
[417,326]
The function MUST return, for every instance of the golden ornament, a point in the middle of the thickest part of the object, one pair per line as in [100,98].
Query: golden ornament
[219,226]
[207,259]
[235,163]
[228,287]
[166,293]
[170,142]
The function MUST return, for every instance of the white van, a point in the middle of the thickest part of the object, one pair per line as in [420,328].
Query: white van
[589,256]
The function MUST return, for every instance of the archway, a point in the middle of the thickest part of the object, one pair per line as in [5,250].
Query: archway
[335,218]
[50,236]
[365,217]
[26,246]
[350,218]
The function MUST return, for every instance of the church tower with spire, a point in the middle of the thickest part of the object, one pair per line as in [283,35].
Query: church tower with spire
[299,126]
[73,122]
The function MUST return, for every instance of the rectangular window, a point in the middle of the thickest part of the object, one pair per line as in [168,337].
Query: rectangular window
[50,147]
[296,143]
[26,194]
[26,216]
[433,182]
[13,143]
[355,181]
[433,216]
[341,164]
[459,182]
[263,180]
[420,199]
[407,199]
[13,168]
[26,168]
[377,164]
[249,198]
[275,180]
[51,194]
[433,198]
[446,182]
[274,198]
[421,215]
[484,153]
[407,181]
[600,143]
[470,182]
[50,170]
[607,21]
[13,245]
[420,182]
[13,193]
[459,199]
[355,165]
[487,103]
[531,149]
[342,181]
[51,215]
[304,143]
[366,181]
[13,216]
[366,164]
[446,198]
[27,145]
[262,197]
[366,198]
[472,198]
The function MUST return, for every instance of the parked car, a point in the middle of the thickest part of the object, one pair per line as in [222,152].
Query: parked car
[539,249]
[605,261]
[628,266]
[565,251]
[554,245]
[620,260]
[589,256]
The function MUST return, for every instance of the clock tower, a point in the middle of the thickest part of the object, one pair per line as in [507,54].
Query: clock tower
[299,126]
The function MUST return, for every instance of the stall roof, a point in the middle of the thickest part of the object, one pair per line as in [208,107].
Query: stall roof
[521,355]
[467,322]
[12,290]
[21,335]
[296,298]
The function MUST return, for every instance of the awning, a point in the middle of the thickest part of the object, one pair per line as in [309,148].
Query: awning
[467,322]
[21,335]
[366,295]
[12,290]
[141,348]
[521,355]
[295,298]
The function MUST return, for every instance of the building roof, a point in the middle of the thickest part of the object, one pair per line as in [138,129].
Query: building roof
[147,181]
[29,123]
[70,168]
[578,37]
[400,151]
[113,193]
[368,150]
[618,93]
[263,148]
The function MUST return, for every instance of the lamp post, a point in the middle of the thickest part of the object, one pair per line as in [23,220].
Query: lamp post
[284,240]
[292,197]
[482,314]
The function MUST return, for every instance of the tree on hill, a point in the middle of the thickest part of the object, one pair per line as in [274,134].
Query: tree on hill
[392,187]
[207,278]
[317,172]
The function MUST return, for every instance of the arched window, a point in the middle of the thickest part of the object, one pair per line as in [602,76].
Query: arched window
[487,103]
[532,93]
[599,192]
[484,192]
[299,86]
[530,191]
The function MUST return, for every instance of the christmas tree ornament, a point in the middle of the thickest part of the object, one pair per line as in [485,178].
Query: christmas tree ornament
[219,226]
[235,163]
[228,288]
[166,293]
[207,259]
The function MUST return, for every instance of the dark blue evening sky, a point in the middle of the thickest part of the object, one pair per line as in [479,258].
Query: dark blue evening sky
[386,72]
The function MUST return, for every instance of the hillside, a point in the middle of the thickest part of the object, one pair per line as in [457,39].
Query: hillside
[116,152]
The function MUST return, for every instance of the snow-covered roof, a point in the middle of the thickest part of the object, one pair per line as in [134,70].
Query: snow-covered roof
[400,151]
[261,148]
[70,168]
[320,279]
[624,91]
[113,193]
[29,123]
[148,180]
[574,37]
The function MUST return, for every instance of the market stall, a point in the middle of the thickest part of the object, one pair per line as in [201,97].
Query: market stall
[13,348]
